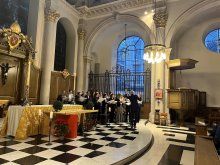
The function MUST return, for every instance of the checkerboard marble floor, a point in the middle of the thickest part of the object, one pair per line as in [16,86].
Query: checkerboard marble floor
[102,140]
[172,145]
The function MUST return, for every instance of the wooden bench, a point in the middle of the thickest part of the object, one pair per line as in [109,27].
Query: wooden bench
[201,126]
[205,152]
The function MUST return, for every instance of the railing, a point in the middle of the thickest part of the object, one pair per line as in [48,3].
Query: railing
[121,81]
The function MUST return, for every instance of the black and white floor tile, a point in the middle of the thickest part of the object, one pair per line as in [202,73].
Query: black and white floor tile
[181,147]
[91,144]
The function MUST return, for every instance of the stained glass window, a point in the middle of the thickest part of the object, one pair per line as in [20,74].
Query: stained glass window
[212,40]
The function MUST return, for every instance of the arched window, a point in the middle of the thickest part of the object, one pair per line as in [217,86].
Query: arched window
[212,41]
[60,51]
[130,54]
[130,59]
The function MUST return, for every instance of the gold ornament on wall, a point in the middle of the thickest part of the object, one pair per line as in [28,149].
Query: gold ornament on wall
[13,41]
[14,36]
[65,73]
[51,15]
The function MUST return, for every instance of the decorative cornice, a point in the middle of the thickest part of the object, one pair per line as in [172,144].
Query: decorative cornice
[160,19]
[51,15]
[81,34]
[109,8]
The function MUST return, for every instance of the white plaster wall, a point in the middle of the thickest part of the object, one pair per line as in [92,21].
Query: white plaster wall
[176,8]
[206,75]
[107,40]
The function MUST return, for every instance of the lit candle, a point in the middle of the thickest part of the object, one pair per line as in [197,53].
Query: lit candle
[51,115]
[109,109]
[93,108]
[40,112]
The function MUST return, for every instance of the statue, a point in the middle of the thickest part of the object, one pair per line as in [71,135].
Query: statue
[5,68]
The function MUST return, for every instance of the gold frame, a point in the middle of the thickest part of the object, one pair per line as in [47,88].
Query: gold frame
[12,45]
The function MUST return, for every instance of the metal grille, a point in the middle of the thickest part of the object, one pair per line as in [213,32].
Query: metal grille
[122,81]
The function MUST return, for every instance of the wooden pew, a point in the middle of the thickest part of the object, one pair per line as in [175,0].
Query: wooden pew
[205,152]
[201,126]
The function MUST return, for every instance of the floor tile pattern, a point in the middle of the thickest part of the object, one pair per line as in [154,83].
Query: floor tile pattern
[174,152]
[103,139]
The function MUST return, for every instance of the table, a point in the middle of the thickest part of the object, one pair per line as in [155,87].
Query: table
[23,121]
[72,117]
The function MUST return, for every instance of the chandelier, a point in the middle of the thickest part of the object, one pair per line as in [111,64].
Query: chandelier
[156,53]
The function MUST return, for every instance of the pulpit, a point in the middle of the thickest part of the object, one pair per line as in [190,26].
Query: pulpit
[183,101]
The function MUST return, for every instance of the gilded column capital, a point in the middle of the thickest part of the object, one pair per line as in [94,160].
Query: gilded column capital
[81,34]
[51,15]
[160,19]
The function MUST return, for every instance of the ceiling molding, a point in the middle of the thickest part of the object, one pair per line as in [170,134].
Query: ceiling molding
[109,8]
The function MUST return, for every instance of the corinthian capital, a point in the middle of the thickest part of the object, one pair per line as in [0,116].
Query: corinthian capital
[51,15]
[160,19]
[81,34]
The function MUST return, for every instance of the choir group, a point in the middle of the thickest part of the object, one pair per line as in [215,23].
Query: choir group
[111,108]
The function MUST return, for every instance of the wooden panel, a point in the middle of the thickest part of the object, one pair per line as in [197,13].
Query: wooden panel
[174,100]
[34,90]
[145,110]
[58,84]
[10,90]
[182,99]
[205,152]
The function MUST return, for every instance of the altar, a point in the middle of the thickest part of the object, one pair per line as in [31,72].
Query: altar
[24,121]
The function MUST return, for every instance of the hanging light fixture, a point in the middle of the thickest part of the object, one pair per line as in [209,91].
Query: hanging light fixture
[156,53]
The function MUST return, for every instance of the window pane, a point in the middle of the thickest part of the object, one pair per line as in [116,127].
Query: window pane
[130,56]
[212,41]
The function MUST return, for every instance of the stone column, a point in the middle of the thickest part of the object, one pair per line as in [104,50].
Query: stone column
[158,70]
[36,28]
[48,54]
[87,69]
[80,62]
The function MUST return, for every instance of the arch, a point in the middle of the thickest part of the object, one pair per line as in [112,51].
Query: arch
[113,21]
[199,12]
[71,44]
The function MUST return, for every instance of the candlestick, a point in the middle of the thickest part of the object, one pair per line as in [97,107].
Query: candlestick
[74,83]
[28,73]
[51,115]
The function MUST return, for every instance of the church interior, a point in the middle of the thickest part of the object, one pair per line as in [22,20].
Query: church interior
[109,82]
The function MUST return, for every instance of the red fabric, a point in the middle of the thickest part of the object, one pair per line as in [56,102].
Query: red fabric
[72,123]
